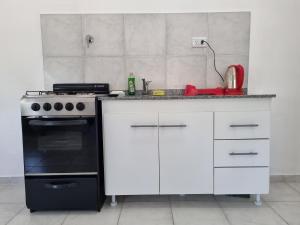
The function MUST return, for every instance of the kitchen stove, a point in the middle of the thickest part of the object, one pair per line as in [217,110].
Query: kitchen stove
[48,103]
[62,148]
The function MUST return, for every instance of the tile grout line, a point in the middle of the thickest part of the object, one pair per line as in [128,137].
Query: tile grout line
[170,204]
[166,52]
[124,55]
[206,54]
[65,218]
[273,210]
[295,189]
[223,211]
[11,219]
[122,206]
[280,201]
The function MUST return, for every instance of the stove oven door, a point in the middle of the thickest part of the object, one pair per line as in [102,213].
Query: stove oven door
[56,146]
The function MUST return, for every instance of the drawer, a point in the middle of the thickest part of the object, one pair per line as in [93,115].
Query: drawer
[242,125]
[241,180]
[235,153]
[61,193]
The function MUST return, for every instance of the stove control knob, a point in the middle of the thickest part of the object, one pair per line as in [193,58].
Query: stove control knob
[47,106]
[35,106]
[69,106]
[58,106]
[80,106]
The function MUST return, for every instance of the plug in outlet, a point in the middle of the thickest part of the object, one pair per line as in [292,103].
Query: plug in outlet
[196,42]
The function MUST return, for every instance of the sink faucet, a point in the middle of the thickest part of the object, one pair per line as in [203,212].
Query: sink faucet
[145,86]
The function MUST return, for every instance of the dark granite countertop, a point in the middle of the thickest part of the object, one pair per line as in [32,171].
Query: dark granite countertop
[174,97]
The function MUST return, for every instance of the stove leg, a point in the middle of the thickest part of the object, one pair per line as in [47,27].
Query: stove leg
[113,201]
[257,200]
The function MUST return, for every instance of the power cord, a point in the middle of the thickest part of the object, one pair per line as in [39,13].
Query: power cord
[202,42]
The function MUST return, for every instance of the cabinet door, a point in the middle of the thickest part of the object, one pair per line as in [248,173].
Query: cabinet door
[131,153]
[186,153]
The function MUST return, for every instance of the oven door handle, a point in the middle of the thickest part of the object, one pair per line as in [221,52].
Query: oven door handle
[42,123]
[59,186]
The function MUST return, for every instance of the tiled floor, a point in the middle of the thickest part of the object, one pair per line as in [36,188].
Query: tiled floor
[280,207]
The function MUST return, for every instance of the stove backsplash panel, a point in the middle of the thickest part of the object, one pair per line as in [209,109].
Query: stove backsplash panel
[158,47]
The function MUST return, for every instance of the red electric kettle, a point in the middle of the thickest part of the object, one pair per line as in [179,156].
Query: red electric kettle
[234,79]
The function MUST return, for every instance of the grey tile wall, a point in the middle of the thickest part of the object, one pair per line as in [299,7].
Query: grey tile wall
[180,30]
[105,69]
[145,34]
[157,47]
[61,35]
[108,34]
[63,70]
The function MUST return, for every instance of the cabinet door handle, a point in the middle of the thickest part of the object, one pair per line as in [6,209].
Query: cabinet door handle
[144,125]
[175,125]
[243,153]
[244,125]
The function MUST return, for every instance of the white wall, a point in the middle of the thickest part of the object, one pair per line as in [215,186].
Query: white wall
[274,60]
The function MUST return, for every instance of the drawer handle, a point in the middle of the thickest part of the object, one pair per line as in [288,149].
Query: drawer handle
[175,125]
[243,153]
[141,126]
[59,186]
[244,125]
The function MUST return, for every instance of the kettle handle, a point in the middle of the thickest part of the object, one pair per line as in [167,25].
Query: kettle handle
[240,72]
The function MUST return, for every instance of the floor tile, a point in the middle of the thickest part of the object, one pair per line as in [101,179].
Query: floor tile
[17,180]
[290,211]
[108,216]
[281,192]
[12,193]
[38,218]
[4,180]
[192,198]
[146,198]
[291,178]
[295,185]
[243,213]
[8,211]
[146,213]
[198,213]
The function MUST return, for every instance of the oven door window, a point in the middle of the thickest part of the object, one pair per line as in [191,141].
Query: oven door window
[60,141]
[61,145]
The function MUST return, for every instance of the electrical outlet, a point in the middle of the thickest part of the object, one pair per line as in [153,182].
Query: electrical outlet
[196,42]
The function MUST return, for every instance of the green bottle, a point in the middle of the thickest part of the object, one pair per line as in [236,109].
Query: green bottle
[131,84]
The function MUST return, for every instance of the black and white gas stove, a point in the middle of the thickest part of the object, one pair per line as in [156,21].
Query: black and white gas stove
[62,146]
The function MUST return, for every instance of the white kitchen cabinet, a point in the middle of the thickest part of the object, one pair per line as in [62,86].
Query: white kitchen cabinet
[130,153]
[191,146]
[186,153]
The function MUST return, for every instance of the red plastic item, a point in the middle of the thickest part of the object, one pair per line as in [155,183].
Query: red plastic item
[191,90]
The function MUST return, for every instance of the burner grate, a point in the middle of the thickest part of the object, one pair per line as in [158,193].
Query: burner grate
[33,93]
[40,93]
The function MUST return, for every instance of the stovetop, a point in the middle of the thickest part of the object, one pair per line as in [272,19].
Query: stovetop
[49,103]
